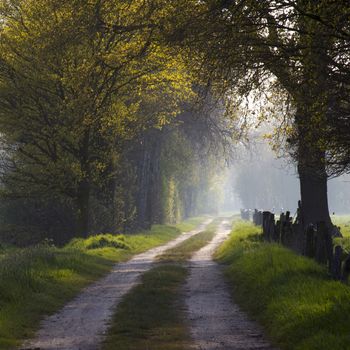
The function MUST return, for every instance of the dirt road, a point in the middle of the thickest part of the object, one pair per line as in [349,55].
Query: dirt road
[82,323]
[215,321]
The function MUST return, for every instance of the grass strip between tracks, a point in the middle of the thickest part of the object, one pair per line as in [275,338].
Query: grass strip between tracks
[152,316]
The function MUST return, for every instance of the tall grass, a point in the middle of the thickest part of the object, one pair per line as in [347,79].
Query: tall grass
[37,281]
[300,307]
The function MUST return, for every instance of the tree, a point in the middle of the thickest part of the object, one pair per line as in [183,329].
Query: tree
[66,104]
[245,43]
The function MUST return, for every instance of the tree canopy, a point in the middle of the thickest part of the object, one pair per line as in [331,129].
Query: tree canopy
[91,97]
[114,113]
[300,47]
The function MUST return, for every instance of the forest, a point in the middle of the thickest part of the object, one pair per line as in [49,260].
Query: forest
[124,123]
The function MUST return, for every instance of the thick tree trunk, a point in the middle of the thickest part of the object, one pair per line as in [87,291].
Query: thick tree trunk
[311,121]
[314,197]
[312,175]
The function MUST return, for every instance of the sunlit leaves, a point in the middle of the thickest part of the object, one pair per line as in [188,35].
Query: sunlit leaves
[80,79]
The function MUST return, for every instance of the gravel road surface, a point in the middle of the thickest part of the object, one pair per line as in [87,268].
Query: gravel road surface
[82,323]
[216,322]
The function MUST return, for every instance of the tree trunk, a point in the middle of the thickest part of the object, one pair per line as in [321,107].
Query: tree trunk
[143,174]
[155,185]
[314,198]
[312,175]
[83,191]
[148,197]
[83,204]
[311,121]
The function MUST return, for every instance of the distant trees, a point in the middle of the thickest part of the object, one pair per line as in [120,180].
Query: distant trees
[262,182]
[193,154]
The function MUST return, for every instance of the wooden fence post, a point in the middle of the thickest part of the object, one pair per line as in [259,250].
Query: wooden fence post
[310,242]
[337,263]
[316,242]
[268,226]
[346,270]
[324,244]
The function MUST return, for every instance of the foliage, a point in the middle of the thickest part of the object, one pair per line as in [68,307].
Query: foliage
[67,113]
[191,160]
[291,46]
[85,117]
[294,299]
[100,241]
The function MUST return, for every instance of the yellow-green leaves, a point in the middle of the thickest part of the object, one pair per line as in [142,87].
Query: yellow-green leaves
[81,79]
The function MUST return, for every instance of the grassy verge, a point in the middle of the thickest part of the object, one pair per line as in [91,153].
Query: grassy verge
[291,296]
[151,316]
[38,281]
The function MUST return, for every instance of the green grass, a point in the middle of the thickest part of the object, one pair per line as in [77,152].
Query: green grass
[190,224]
[37,281]
[291,296]
[184,250]
[343,221]
[151,316]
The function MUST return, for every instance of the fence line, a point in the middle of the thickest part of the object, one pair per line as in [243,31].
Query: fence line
[315,242]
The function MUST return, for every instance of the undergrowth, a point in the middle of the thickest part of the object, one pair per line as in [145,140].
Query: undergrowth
[101,241]
[292,296]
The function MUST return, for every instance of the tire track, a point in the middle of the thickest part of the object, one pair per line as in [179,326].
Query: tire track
[215,321]
[82,323]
